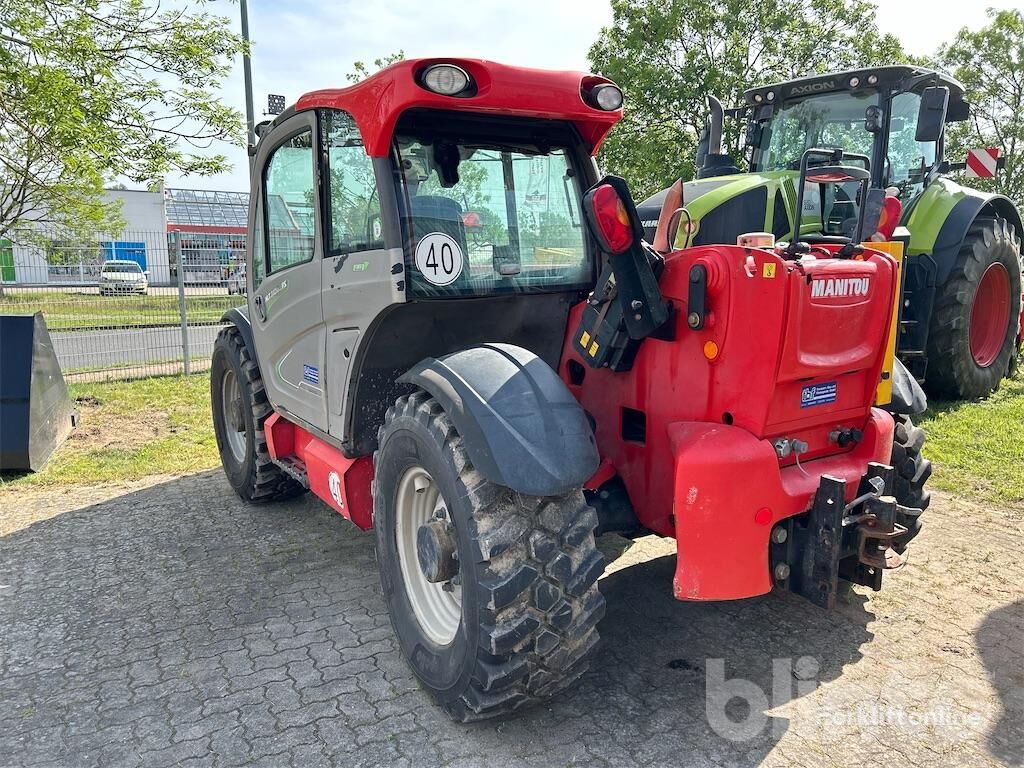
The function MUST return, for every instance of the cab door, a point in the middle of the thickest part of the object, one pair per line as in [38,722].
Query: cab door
[285,278]
[361,274]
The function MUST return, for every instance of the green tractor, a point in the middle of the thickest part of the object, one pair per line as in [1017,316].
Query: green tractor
[960,326]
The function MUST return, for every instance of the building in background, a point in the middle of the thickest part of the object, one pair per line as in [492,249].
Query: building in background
[206,233]
[202,231]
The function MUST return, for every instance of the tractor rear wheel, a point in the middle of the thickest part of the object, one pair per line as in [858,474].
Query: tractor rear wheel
[911,472]
[973,335]
[240,407]
[492,594]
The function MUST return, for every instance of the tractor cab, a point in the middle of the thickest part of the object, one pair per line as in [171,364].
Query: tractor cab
[892,116]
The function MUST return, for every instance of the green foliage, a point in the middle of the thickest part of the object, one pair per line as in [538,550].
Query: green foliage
[990,64]
[93,90]
[360,70]
[670,54]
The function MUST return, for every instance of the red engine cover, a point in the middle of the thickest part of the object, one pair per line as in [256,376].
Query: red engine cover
[796,350]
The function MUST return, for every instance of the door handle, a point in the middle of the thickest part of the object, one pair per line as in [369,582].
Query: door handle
[261,310]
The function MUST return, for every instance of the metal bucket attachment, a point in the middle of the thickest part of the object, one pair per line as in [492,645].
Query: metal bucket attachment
[36,414]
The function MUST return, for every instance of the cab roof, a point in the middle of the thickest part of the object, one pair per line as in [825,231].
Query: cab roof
[900,76]
[377,102]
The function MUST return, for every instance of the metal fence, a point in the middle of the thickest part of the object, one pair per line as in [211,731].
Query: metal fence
[115,325]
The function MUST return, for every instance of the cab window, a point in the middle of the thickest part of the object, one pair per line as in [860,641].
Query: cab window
[486,212]
[353,208]
[288,203]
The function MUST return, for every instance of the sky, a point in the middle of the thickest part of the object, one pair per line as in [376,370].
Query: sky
[299,46]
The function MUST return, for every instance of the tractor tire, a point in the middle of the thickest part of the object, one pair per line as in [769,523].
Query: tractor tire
[974,325]
[911,473]
[516,620]
[240,407]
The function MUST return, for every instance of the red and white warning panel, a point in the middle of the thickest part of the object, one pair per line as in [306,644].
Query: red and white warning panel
[982,163]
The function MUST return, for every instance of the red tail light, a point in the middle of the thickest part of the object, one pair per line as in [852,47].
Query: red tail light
[612,219]
[892,209]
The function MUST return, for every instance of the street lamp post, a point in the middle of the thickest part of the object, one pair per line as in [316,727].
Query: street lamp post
[250,118]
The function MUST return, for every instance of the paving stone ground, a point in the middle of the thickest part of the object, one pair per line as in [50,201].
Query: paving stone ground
[174,625]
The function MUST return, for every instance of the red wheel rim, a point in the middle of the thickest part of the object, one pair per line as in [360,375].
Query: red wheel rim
[990,315]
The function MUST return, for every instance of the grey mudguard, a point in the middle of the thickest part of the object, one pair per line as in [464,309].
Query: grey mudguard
[239,317]
[907,396]
[521,426]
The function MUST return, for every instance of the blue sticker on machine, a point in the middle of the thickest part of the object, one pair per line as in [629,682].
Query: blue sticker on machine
[311,375]
[818,394]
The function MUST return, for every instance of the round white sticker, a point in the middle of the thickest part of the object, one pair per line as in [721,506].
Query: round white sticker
[334,483]
[439,258]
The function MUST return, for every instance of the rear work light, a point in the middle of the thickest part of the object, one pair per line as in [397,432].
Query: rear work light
[446,79]
[611,219]
[607,97]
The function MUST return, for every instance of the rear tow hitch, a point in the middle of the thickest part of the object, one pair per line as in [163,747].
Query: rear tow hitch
[836,540]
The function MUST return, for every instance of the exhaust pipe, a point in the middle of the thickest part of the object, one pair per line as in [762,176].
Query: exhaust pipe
[716,119]
[711,160]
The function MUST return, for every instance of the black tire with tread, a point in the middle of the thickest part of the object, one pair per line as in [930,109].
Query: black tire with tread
[911,473]
[952,371]
[529,567]
[258,478]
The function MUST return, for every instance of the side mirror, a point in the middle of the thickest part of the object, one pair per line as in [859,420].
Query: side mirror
[958,111]
[931,118]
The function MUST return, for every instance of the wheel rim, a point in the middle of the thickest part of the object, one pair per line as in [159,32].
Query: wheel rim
[990,315]
[234,422]
[437,607]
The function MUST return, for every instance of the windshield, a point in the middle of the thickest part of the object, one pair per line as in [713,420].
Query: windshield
[831,120]
[122,268]
[489,216]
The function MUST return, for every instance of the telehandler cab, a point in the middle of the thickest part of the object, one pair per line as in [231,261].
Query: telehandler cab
[456,335]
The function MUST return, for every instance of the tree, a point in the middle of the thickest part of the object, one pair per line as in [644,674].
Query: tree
[990,64]
[669,55]
[360,71]
[92,90]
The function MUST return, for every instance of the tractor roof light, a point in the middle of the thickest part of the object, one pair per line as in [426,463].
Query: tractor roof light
[758,98]
[446,79]
[611,219]
[770,95]
[854,82]
[606,97]
[872,79]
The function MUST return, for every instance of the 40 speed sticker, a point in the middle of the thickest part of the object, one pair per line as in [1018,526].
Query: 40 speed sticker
[439,258]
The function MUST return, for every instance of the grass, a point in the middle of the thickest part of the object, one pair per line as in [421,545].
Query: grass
[78,310]
[978,447]
[129,430]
